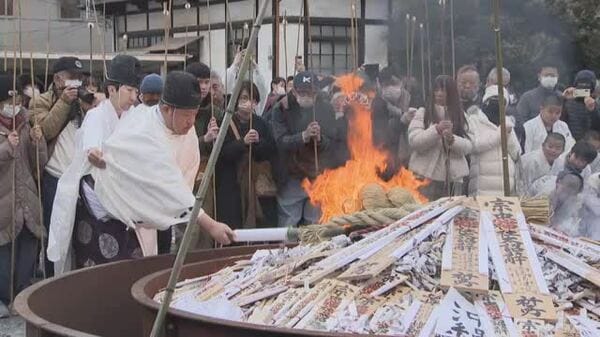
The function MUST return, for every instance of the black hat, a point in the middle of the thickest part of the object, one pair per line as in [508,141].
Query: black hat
[198,69]
[585,79]
[305,80]
[181,91]
[67,63]
[124,69]
[6,86]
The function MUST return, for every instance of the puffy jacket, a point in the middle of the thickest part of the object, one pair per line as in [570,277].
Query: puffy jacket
[428,156]
[579,119]
[486,176]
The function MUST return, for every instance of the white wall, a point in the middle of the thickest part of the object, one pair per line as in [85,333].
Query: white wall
[292,38]
[376,44]
[376,9]
[332,8]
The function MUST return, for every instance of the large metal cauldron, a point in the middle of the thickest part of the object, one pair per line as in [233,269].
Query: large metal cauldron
[184,324]
[97,301]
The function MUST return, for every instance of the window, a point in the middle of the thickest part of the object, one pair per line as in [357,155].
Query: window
[138,42]
[6,7]
[237,37]
[69,9]
[331,49]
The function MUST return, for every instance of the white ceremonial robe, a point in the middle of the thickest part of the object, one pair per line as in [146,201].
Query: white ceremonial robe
[532,167]
[142,184]
[98,124]
[536,133]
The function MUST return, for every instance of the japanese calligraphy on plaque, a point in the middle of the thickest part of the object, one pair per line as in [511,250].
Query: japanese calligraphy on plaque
[492,306]
[519,272]
[336,300]
[460,318]
[530,327]
[465,257]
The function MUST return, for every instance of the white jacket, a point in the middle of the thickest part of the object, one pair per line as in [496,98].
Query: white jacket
[428,156]
[535,134]
[486,157]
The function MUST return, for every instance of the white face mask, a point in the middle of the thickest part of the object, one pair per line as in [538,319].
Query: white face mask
[280,90]
[305,102]
[549,82]
[9,112]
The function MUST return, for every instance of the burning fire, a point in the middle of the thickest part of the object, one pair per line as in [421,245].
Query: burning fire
[337,191]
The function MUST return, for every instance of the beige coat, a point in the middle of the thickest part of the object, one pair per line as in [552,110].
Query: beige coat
[428,156]
[486,158]
[51,112]
[27,211]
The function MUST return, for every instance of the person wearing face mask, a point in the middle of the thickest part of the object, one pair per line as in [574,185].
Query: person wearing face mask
[539,163]
[438,140]
[547,121]
[581,111]
[295,133]
[121,89]
[277,92]
[19,143]
[59,112]
[528,106]
[469,84]
[391,117]
[486,173]
[233,202]
[232,74]
[145,185]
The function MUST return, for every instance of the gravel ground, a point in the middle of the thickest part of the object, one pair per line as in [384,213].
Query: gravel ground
[12,327]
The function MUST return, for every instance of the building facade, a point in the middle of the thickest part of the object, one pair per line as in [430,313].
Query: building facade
[140,26]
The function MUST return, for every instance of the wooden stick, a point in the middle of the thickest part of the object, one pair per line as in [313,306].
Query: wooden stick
[167,13]
[407,34]
[427,24]
[285,49]
[212,106]
[452,38]
[39,175]
[422,37]
[443,34]
[192,227]
[20,40]
[47,50]
[412,45]
[501,105]
[14,175]
[300,17]
[250,187]
[315,145]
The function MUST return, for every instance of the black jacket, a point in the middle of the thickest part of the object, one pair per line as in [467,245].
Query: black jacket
[579,119]
[232,156]
[289,121]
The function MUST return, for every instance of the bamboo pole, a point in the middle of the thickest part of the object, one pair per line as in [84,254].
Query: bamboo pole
[212,106]
[300,17]
[285,49]
[13,234]
[310,54]
[427,24]
[407,34]
[422,49]
[47,50]
[443,34]
[412,46]
[20,39]
[452,44]
[501,101]
[192,227]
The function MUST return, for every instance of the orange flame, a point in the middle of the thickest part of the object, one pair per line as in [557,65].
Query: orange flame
[337,191]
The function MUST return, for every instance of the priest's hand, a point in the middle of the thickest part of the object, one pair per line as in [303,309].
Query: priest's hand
[212,132]
[251,137]
[219,231]
[95,158]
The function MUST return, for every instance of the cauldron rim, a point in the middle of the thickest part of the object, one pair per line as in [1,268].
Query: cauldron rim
[138,293]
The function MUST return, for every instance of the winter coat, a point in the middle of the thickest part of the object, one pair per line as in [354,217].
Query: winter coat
[52,113]
[289,121]
[579,119]
[205,113]
[27,207]
[486,176]
[536,133]
[428,156]
[233,162]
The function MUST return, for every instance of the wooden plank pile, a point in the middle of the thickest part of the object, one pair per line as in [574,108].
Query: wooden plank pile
[455,267]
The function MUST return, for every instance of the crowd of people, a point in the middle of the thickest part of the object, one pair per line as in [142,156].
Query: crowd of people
[119,162]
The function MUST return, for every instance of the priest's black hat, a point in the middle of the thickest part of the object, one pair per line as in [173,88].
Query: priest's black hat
[181,90]
[124,69]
